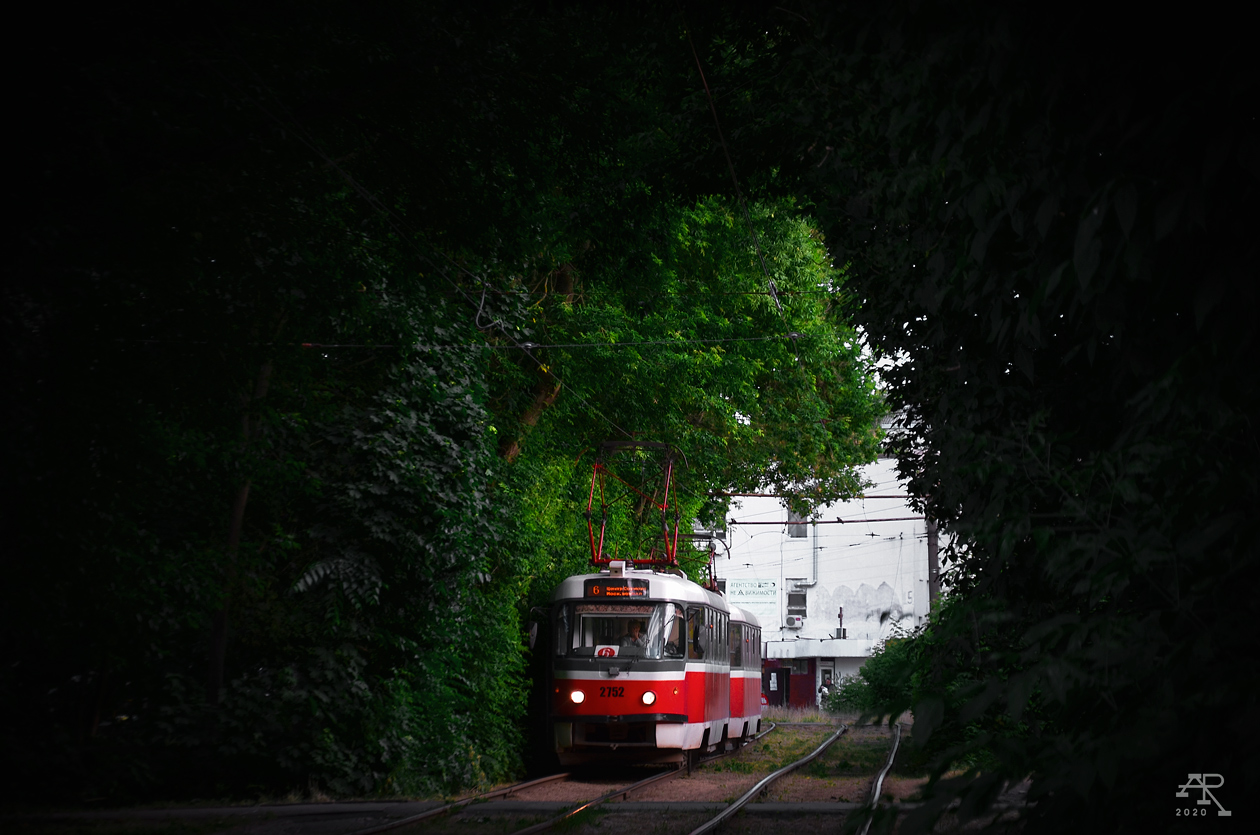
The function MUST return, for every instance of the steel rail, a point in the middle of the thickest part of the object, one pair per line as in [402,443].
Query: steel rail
[765,784]
[442,810]
[737,749]
[878,785]
[623,792]
[626,791]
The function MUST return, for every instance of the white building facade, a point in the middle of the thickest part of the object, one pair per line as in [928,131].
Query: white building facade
[826,589]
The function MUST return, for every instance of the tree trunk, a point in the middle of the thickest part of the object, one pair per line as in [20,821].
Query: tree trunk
[219,622]
[98,704]
[545,394]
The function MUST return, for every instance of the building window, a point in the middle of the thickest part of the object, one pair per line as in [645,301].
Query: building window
[796,525]
[796,604]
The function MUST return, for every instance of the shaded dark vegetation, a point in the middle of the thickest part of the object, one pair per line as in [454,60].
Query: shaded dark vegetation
[1049,221]
[1052,220]
[287,477]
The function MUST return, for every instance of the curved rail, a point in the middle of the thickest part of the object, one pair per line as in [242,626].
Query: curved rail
[773,725]
[737,749]
[442,810]
[764,784]
[878,785]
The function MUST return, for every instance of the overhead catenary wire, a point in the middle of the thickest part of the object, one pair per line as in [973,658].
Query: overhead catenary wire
[466,346]
[730,166]
[721,493]
[836,521]
[394,223]
[739,194]
[405,233]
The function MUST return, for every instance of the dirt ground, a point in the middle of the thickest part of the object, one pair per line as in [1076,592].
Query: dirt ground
[837,780]
[842,773]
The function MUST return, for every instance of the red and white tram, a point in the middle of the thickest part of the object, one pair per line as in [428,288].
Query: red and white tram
[745,712]
[649,667]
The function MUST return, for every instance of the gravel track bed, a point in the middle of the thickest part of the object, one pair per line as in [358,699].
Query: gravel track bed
[842,774]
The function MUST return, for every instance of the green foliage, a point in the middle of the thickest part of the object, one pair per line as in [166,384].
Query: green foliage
[708,376]
[287,477]
[1048,224]
[1045,234]
[882,686]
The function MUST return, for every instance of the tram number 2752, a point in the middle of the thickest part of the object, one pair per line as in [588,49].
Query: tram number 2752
[618,692]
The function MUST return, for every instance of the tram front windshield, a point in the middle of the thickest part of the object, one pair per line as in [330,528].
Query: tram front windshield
[619,629]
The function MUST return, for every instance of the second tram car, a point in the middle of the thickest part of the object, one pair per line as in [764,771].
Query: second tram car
[649,667]
[745,712]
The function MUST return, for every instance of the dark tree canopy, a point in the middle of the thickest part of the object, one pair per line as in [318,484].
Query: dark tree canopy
[1049,225]
[318,309]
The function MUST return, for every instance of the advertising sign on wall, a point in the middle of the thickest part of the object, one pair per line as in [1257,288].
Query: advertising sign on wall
[761,597]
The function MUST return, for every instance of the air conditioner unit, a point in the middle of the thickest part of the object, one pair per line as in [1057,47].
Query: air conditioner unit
[794,622]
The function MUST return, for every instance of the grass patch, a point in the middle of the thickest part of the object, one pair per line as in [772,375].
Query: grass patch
[852,757]
[592,817]
[796,715]
[784,746]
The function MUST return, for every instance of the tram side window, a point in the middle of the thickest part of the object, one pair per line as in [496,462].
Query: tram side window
[755,661]
[675,633]
[721,632]
[737,645]
[561,630]
[711,648]
[696,633]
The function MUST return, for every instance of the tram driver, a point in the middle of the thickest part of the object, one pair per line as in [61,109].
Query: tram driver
[634,636]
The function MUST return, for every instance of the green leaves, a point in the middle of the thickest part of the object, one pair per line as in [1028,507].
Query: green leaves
[1053,424]
[706,366]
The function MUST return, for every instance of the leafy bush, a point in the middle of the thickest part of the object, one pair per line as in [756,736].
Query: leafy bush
[883,685]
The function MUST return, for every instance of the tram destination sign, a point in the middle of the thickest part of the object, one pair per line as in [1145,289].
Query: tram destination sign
[615,589]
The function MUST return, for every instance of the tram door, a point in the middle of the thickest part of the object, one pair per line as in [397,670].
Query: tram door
[775,683]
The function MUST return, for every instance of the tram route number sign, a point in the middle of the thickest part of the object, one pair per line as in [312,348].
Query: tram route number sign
[615,589]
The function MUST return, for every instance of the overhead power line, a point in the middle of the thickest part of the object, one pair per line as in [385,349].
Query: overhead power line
[837,521]
[786,495]
[469,345]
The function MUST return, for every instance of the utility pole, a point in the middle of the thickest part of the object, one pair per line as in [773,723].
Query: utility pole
[934,569]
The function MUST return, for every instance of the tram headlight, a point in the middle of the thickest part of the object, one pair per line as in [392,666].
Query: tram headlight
[649,698]
[577,697]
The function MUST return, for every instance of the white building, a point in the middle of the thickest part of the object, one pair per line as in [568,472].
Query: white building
[827,589]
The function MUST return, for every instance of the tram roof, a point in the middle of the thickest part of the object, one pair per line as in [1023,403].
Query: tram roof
[660,587]
[740,615]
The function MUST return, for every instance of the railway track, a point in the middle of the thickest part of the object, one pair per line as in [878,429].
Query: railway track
[623,793]
[731,810]
[459,804]
[675,817]
[811,778]
[873,801]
